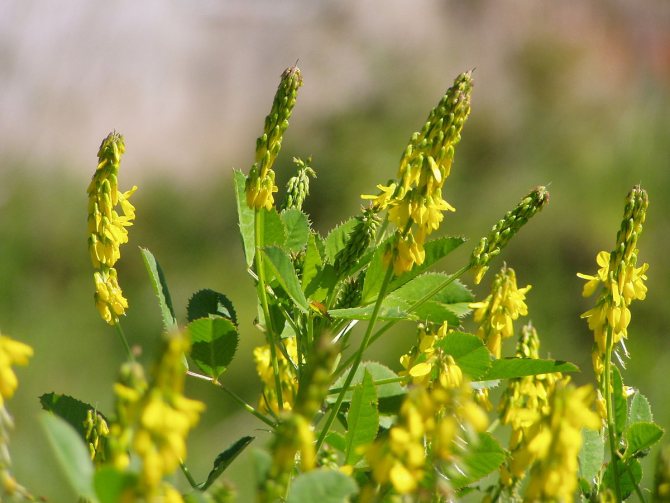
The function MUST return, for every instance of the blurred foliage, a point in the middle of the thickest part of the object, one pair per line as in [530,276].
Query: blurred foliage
[589,151]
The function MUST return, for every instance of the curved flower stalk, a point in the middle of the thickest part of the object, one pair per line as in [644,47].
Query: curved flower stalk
[12,353]
[414,201]
[109,214]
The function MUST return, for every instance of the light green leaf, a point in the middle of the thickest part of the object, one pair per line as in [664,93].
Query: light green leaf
[620,402]
[435,251]
[378,372]
[297,229]
[337,441]
[208,303]
[224,460]
[274,230]
[629,475]
[362,419]
[337,238]
[509,368]
[283,270]
[245,216]
[468,351]
[641,436]
[374,277]
[311,265]
[213,344]
[71,453]
[70,409]
[592,455]
[161,289]
[640,410]
[111,483]
[322,486]
[480,459]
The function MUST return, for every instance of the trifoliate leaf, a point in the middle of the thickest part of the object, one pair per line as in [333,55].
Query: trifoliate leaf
[213,344]
[206,303]
[297,229]
[629,475]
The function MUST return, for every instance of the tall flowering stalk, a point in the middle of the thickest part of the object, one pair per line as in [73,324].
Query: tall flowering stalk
[414,201]
[12,353]
[109,214]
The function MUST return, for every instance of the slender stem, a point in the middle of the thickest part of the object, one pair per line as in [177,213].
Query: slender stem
[381,382]
[188,475]
[263,295]
[357,357]
[610,413]
[124,340]
[236,397]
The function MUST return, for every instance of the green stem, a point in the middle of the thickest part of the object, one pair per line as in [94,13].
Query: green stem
[263,295]
[188,475]
[381,382]
[124,340]
[610,413]
[236,397]
[357,357]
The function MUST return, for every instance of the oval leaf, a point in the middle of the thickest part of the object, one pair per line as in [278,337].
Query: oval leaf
[206,303]
[469,353]
[161,289]
[245,217]
[213,344]
[641,436]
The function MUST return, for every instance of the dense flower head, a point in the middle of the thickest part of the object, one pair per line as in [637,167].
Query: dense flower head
[289,384]
[552,444]
[414,201]
[418,363]
[260,185]
[497,312]
[619,280]
[109,214]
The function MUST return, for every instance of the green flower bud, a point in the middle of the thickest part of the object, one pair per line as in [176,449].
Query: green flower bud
[358,242]
[351,294]
[297,188]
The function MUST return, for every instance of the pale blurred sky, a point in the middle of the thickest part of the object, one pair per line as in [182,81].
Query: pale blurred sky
[188,83]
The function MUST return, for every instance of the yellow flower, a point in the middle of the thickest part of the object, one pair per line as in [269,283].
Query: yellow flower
[11,353]
[289,383]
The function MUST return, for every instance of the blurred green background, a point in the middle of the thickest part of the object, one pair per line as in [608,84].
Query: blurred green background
[573,96]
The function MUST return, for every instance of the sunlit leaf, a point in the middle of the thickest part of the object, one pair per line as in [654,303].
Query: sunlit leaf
[161,289]
[362,418]
[246,217]
[322,486]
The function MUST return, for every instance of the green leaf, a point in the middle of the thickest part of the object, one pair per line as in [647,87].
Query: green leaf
[509,368]
[161,290]
[592,455]
[640,410]
[224,460]
[630,475]
[378,372]
[274,230]
[213,344]
[468,351]
[362,419]
[435,251]
[111,483]
[620,402]
[311,265]
[297,229]
[70,409]
[374,277]
[205,303]
[480,459]
[71,453]
[246,217]
[337,238]
[337,441]
[322,486]
[262,462]
[283,270]
[641,436]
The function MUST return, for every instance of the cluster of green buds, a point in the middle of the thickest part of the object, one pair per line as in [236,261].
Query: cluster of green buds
[260,185]
[351,293]
[107,227]
[415,200]
[491,245]
[358,241]
[297,187]
[95,434]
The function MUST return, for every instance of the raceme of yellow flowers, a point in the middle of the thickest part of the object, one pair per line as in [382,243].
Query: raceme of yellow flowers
[109,213]
[289,383]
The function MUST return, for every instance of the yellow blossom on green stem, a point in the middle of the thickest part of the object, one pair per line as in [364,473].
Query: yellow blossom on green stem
[289,382]
[12,353]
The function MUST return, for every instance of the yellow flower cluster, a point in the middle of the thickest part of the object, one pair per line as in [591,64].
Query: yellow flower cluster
[414,202]
[422,359]
[154,421]
[552,444]
[524,402]
[432,419]
[289,383]
[107,227]
[496,313]
[620,279]
[96,431]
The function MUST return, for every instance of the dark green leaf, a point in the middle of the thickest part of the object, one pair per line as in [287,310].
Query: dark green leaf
[592,455]
[509,368]
[213,344]
[468,351]
[322,486]
[620,402]
[70,409]
[337,238]
[111,483]
[629,475]
[362,419]
[480,459]
[205,303]
[641,436]
[283,270]
[297,229]
[161,289]
[640,410]
[246,217]
[378,372]
[435,251]
[71,453]
[224,460]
